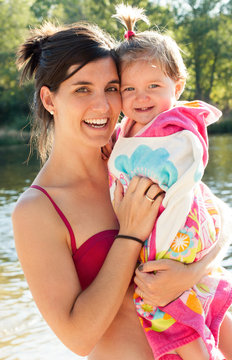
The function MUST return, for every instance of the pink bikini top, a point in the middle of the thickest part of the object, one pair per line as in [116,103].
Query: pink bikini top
[90,256]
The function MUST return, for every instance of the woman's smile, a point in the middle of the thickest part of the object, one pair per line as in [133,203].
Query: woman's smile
[97,123]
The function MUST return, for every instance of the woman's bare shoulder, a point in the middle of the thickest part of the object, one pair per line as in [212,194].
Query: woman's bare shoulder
[29,203]
[34,216]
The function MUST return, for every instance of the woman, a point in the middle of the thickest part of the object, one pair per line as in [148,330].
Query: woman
[77,103]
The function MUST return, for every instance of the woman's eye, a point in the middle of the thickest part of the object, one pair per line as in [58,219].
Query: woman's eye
[82,90]
[112,89]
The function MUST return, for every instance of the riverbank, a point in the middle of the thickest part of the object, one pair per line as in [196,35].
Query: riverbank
[10,136]
[13,136]
[223,126]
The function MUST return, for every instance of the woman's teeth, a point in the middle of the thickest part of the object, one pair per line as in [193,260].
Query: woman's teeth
[96,123]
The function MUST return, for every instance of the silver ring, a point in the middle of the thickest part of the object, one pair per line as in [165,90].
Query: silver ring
[148,198]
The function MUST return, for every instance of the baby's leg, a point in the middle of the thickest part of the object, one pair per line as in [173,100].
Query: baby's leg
[225,336]
[194,350]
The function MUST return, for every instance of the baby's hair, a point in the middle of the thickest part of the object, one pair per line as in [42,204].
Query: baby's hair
[47,55]
[128,16]
[152,46]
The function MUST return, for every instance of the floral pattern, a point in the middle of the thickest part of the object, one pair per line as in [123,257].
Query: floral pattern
[184,246]
[166,327]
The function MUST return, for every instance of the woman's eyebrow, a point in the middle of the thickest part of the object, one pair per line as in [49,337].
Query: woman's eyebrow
[114,81]
[82,83]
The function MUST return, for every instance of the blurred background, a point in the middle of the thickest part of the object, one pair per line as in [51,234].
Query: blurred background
[203,30]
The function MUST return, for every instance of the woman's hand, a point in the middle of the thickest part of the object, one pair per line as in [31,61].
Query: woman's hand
[136,210]
[171,279]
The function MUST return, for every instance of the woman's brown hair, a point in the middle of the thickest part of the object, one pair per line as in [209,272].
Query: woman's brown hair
[47,55]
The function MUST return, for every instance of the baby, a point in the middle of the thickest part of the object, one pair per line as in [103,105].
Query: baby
[166,141]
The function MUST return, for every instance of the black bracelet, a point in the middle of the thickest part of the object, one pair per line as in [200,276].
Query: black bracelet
[129,237]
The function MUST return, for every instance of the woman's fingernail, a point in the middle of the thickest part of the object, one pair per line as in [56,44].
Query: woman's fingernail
[140,267]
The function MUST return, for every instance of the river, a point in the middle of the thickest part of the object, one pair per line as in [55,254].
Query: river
[23,333]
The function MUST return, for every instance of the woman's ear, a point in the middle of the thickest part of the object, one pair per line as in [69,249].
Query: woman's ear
[46,97]
[180,84]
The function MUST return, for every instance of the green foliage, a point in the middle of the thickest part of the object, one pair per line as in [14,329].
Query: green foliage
[202,28]
[14,19]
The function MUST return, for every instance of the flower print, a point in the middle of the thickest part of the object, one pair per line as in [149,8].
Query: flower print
[192,104]
[185,245]
[123,181]
[181,242]
[161,321]
[146,311]
[147,162]
[147,308]
[112,179]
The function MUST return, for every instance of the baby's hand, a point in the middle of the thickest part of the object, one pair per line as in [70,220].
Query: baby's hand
[106,150]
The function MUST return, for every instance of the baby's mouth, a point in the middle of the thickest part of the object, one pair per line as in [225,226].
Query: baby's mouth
[96,123]
[144,109]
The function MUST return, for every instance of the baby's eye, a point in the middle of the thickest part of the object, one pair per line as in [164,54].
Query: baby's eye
[129,88]
[153,86]
[82,89]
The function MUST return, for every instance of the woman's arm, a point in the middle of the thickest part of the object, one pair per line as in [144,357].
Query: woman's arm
[79,318]
[172,278]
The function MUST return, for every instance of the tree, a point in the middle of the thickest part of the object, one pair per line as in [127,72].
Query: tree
[222,88]
[14,19]
[199,25]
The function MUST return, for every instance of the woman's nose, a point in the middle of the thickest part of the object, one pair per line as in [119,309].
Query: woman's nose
[100,103]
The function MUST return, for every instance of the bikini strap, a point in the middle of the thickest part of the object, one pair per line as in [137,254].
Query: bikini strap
[62,216]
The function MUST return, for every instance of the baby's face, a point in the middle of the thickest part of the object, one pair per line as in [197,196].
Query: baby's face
[146,91]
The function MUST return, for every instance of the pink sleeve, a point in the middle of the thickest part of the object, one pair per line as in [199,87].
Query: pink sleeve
[193,116]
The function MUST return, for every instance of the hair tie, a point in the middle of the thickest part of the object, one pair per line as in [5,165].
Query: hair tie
[129,34]
[120,236]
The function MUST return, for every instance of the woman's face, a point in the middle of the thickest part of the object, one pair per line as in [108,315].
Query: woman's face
[87,105]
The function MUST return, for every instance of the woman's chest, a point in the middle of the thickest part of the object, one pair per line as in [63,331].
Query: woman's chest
[91,212]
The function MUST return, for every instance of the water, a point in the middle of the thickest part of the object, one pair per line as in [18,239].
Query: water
[23,333]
